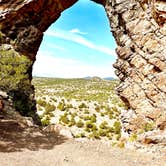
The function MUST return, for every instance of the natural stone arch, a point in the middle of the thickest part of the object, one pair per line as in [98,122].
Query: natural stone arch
[140,32]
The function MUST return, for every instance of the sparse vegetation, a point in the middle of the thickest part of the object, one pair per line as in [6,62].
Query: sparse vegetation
[89,108]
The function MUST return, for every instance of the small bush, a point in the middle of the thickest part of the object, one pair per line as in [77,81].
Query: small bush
[69,106]
[133,137]
[86,112]
[97,108]
[118,136]
[79,124]
[148,127]
[102,132]
[89,125]
[93,118]
[104,125]
[80,135]
[102,114]
[64,119]
[72,122]
[117,127]
[82,105]
[95,135]
[87,118]
[45,121]
[111,116]
[41,102]
[50,108]
[61,106]
[121,145]
[55,100]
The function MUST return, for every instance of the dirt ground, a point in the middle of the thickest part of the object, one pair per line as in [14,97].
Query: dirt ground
[32,147]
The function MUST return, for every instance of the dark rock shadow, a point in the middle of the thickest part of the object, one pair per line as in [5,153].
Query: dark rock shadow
[14,138]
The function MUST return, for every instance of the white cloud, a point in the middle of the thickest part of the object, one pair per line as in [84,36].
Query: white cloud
[51,66]
[77,31]
[53,46]
[70,36]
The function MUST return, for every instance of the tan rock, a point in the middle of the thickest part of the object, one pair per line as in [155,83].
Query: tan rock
[1,105]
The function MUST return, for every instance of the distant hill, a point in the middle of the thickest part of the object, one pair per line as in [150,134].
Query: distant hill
[109,78]
[94,78]
[88,77]
[98,78]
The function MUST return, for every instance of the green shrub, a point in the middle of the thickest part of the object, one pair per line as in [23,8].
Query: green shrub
[133,137]
[118,136]
[41,102]
[102,132]
[95,135]
[61,106]
[87,118]
[109,136]
[75,114]
[149,126]
[82,105]
[90,125]
[117,127]
[64,119]
[104,125]
[55,100]
[69,106]
[50,108]
[79,124]
[93,118]
[87,129]
[111,116]
[97,108]
[121,145]
[45,121]
[102,114]
[114,109]
[86,112]
[72,122]
[80,135]
[39,108]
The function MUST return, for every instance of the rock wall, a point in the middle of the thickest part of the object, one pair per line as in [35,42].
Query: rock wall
[140,31]
[139,27]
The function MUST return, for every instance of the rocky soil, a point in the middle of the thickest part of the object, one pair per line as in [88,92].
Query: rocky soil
[30,146]
[24,144]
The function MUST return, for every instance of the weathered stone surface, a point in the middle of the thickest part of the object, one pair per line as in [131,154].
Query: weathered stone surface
[58,130]
[155,137]
[139,27]
[1,105]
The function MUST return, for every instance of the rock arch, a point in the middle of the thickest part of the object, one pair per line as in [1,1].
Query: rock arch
[139,27]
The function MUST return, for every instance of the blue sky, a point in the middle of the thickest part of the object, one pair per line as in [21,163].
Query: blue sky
[78,44]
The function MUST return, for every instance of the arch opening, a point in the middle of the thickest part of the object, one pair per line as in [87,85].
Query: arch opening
[81,36]
[81,47]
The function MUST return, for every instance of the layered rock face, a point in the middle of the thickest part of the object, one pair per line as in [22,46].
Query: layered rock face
[139,27]
[140,31]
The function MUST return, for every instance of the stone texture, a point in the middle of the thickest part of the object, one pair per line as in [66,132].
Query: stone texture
[139,27]
[1,106]
[155,137]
